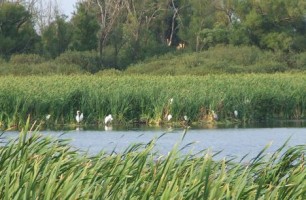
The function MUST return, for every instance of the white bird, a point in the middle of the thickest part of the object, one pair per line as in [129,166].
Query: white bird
[48,117]
[171,100]
[236,113]
[187,122]
[108,119]
[169,117]
[79,117]
[215,116]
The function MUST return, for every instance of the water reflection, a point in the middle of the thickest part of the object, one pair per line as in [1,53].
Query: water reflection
[171,127]
[108,128]
[79,128]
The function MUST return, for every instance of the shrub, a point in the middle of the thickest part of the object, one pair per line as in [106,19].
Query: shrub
[301,61]
[2,61]
[108,72]
[87,60]
[268,67]
[219,59]
[26,59]
[45,68]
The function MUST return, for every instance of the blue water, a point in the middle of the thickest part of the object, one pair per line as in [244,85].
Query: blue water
[233,142]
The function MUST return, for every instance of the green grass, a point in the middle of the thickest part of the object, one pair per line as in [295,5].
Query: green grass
[220,60]
[146,98]
[37,167]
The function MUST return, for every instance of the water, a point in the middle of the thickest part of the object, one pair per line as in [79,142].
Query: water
[233,142]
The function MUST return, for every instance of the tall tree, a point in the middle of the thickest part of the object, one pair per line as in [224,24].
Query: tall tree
[17,33]
[85,28]
[276,24]
[145,27]
[196,16]
[108,12]
[56,37]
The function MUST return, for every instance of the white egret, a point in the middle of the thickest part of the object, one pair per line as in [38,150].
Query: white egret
[169,117]
[236,113]
[171,100]
[187,122]
[48,117]
[79,117]
[108,119]
[215,116]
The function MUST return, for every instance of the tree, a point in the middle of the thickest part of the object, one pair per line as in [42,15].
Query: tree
[44,13]
[145,28]
[85,29]
[17,33]
[195,16]
[56,37]
[108,12]
[276,24]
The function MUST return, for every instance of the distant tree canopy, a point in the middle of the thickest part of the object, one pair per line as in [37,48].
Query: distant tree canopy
[17,33]
[123,32]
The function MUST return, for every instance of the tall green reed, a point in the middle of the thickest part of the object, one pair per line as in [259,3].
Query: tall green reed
[34,166]
[146,98]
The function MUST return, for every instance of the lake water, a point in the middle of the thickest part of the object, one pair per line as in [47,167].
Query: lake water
[234,142]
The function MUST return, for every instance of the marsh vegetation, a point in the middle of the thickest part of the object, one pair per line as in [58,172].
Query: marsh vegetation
[37,167]
[146,99]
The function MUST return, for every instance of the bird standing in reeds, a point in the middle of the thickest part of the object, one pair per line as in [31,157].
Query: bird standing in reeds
[215,115]
[169,117]
[236,113]
[48,117]
[108,119]
[79,117]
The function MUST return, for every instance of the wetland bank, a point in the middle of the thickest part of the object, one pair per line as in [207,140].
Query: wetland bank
[146,99]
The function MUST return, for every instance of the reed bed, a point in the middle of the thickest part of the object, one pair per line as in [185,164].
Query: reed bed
[37,167]
[146,99]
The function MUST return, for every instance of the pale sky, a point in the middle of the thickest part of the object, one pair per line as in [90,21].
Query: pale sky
[67,6]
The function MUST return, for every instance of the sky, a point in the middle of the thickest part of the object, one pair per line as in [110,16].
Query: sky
[67,6]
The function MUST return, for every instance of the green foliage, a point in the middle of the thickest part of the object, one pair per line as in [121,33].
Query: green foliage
[131,31]
[271,24]
[301,60]
[212,37]
[56,37]
[216,60]
[277,41]
[38,167]
[88,61]
[2,61]
[138,98]
[44,68]
[85,29]
[17,34]
[220,59]
[20,59]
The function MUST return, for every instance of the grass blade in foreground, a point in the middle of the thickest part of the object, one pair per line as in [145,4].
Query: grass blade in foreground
[37,167]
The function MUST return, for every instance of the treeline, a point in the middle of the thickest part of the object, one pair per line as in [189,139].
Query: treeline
[113,34]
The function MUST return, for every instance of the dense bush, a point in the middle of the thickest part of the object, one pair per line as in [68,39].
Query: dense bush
[20,59]
[87,60]
[45,68]
[2,61]
[301,61]
[219,59]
